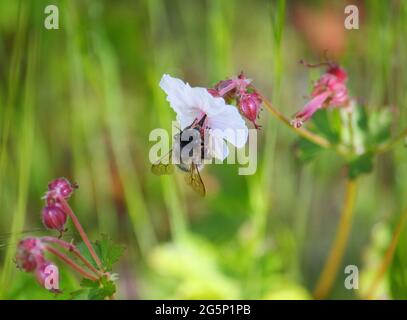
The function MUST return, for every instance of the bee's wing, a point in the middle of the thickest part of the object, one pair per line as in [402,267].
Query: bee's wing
[193,179]
[159,168]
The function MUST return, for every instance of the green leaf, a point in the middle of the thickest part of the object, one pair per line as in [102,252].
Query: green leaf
[360,165]
[355,128]
[108,252]
[95,290]
[87,283]
[327,123]
[371,129]
[361,118]
[83,249]
[306,150]
[380,126]
[106,289]
[79,294]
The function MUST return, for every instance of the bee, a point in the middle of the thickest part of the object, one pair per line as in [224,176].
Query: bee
[190,149]
[184,150]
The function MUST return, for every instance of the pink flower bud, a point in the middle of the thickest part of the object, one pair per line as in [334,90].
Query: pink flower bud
[225,87]
[329,91]
[338,92]
[47,275]
[230,89]
[29,254]
[213,92]
[61,187]
[309,109]
[54,217]
[338,72]
[250,106]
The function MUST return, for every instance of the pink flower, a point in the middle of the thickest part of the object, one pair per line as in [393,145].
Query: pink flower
[338,72]
[30,254]
[309,109]
[237,89]
[54,217]
[329,91]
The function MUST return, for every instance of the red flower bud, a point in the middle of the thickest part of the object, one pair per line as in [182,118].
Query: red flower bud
[54,217]
[250,106]
[29,254]
[61,187]
[47,275]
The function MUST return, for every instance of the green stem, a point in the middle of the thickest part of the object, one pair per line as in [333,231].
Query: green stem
[388,257]
[386,147]
[300,131]
[330,270]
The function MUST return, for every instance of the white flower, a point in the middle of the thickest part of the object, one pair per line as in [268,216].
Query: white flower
[223,120]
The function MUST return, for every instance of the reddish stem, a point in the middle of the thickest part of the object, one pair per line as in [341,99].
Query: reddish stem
[315,65]
[72,248]
[69,212]
[70,263]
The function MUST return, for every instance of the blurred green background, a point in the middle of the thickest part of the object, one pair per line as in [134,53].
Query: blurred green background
[80,102]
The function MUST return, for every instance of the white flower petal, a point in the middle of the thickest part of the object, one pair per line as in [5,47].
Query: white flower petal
[180,97]
[225,151]
[217,146]
[191,103]
[185,120]
[232,124]
[206,103]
